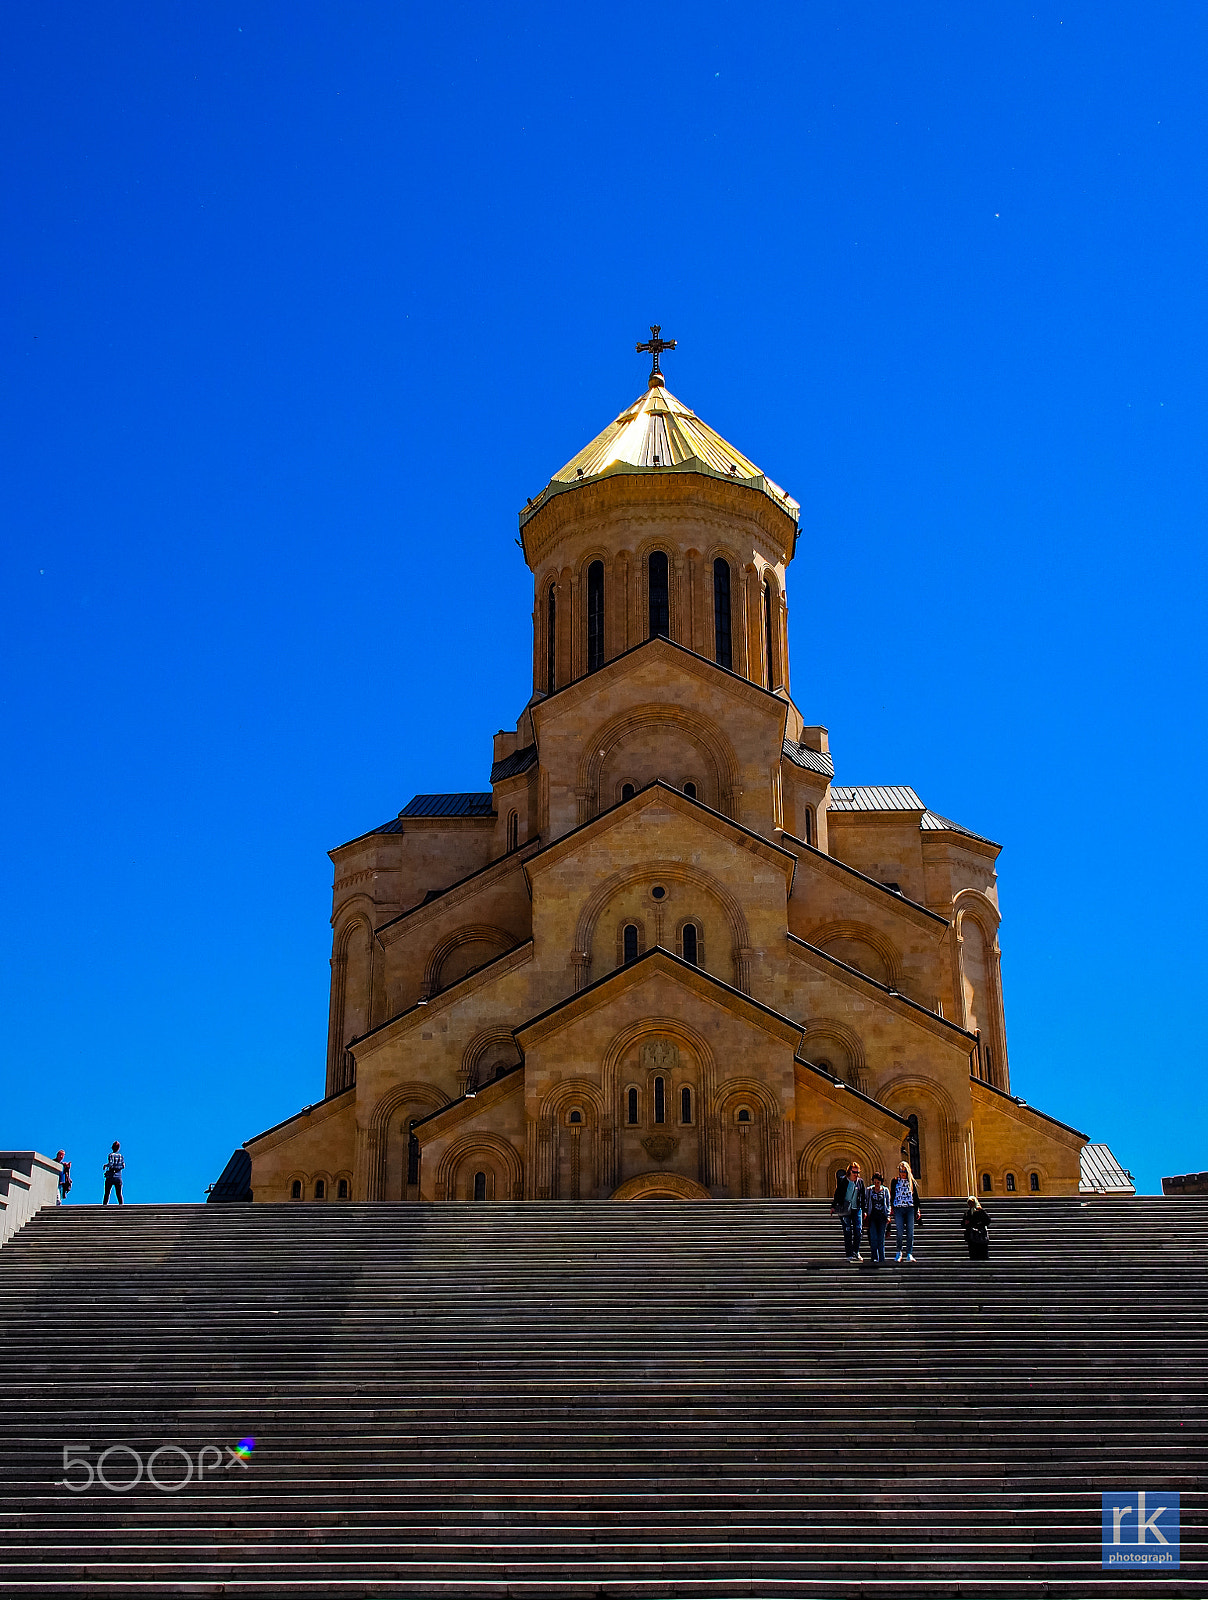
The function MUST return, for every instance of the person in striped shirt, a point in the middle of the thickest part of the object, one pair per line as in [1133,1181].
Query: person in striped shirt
[115,1164]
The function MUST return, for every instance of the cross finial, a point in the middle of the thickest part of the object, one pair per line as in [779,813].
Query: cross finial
[655,346]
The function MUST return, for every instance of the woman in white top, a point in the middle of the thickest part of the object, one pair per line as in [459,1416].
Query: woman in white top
[905,1206]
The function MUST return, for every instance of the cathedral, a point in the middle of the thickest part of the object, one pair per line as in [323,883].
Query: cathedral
[666,954]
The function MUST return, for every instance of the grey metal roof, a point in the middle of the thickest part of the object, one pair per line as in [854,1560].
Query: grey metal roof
[934,823]
[518,761]
[874,797]
[802,756]
[445,805]
[1102,1173]
[894,797]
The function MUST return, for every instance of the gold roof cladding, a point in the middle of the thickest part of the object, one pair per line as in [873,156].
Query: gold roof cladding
[655,433]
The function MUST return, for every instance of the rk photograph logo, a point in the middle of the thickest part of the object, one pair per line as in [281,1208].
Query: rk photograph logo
[1141,1529]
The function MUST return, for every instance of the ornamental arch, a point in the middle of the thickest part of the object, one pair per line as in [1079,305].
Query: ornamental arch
[660,731]
[486,1053]
[474,1153]
[942,1170]
[387,1156]
[730,915]
[565,1157]
[748,1117]
[863,947]
[461,952]
[623,1068]
[831,1044]
[819,1160]
[351,992]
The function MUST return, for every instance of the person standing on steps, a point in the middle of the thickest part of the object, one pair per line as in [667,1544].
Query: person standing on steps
[115,1165]
[879,1202]
[905,1209]
[64,1175]
[976,1227]
[848,1206]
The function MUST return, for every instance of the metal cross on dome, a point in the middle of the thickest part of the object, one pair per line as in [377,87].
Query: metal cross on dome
[655,346]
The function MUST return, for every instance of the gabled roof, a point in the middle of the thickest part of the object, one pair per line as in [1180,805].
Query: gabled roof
[933,823]
[446,805]
[658,959]
[978,1086]
[703,666]
[811,760]
[892,996]
[518,761]
[811,852]
[655,432]
[429,805]
[874,797]
[1102,1173]
[894,797]
[768,848]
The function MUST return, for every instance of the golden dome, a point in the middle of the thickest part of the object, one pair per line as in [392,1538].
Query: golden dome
[655,433]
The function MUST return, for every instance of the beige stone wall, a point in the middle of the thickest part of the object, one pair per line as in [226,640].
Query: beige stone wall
[1012,1140]
[317,1145]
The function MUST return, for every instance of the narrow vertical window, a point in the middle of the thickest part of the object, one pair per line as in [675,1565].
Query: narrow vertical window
[685,1106]
[513,830]
[595,616]
[769,635]
[412,1152]
[342,1189]
[320,1189]
[480,1186]
[551,642]
[660,1100]
[690,790]
[809,825]
[987,1183]
[690,942]
[721,614]
[660,609]
[295,1192]
[1034,1183]
[633,1107]
[1010,1183]
[631,942]
[627,791]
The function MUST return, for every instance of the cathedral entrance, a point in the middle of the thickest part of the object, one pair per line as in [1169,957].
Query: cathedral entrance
[660,1186]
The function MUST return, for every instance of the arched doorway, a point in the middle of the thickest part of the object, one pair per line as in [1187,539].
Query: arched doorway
[660,1186]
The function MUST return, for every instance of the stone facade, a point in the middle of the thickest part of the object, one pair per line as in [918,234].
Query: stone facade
[666,954]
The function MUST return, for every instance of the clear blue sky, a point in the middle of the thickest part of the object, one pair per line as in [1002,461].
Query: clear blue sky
[302,301]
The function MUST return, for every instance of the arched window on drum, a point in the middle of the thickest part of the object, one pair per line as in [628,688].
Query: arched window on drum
[595,616]
[660,596]
[723,650]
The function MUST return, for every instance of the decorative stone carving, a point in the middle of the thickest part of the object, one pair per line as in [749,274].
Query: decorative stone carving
[659,1055]
[660,1146]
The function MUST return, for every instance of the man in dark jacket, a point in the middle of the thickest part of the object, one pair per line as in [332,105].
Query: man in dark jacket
[848,1206]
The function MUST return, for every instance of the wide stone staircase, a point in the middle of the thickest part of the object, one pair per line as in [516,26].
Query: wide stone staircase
[596,1400]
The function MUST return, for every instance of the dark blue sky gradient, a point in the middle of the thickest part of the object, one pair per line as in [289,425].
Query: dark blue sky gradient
[304,300]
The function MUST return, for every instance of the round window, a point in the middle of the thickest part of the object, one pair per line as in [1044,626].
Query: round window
[658,892]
